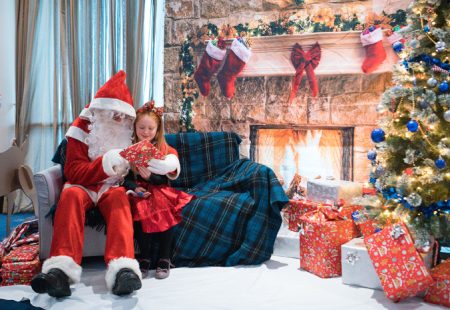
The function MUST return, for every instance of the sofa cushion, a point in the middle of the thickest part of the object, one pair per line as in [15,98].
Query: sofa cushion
[203,155]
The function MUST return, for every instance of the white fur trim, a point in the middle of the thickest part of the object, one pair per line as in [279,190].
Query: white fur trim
[240,50]
[116,265]
[215,52]
[66,264]
[371,37]
[113,105]
[85,114]
[77,133]
[113,164]
[394,37]
[173,159]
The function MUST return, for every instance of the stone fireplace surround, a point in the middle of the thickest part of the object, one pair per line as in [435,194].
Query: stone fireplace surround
[347,97]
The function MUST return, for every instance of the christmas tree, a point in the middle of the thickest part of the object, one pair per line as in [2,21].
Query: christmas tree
[411,158]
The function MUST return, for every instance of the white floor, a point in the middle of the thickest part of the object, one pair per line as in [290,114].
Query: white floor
[276,284]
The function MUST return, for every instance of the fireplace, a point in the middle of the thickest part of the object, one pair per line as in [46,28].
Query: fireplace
[308,151]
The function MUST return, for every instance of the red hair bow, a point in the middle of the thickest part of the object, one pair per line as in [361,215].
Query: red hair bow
[150,107]
[305,61]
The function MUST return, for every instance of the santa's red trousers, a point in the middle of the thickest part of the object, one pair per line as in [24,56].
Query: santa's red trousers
[68,230]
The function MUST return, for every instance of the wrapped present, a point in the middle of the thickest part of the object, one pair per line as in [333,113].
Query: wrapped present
[357,268]
[141,153]
[24,253]
[321,235]
[439,292]
[398,264]
[366,226]
[287,242]
[333,190]
[295,210]
[19,272]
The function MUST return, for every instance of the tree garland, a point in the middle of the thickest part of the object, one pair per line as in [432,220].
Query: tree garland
[296,23]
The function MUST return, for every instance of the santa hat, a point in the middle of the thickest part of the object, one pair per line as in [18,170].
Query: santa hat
[114,95]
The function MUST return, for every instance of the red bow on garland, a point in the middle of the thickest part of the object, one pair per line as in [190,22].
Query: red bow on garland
[305,61]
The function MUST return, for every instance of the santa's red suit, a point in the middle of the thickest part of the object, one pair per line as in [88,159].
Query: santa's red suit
[94,182]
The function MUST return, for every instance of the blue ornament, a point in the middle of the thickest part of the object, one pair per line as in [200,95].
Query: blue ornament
[405,64]
[379,171]
[440,163]
[443,87]
[377,135]
[423,104]
[397,46]
[372,155]
[432,82]
[412,125]
[140,194]
[426,28]
[372,180]
[372,28]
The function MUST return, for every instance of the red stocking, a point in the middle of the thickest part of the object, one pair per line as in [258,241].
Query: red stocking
[375,53]
[236,59]
[210,63]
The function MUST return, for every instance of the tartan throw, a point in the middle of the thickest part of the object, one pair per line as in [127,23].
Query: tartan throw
[234,219]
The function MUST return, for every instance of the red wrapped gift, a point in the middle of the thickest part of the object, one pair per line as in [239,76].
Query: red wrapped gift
[140,153]
[321,236]
[398,264]
[439,292]
[19,272]
[365,225]
[24,253]
[295,210]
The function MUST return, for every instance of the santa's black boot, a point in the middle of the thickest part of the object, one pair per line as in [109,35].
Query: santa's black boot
[55,282]
[127,281]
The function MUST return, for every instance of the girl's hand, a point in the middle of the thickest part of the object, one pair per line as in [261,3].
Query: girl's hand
[144,172]
[142,190]
[134,169]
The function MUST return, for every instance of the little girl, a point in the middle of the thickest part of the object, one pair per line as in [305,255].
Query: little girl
[156,206]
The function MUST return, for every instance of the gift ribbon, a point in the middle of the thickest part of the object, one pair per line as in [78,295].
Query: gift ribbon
[351,258]
[305,61]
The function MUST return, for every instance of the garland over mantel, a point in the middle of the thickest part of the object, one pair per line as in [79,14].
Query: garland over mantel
[296,23]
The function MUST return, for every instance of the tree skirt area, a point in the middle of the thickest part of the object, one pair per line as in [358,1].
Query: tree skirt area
[276,284]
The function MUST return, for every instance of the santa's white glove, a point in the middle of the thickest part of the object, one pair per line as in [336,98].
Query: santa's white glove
[164,166]
[114,164]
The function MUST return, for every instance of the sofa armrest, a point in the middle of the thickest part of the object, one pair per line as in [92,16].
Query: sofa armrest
[49,184]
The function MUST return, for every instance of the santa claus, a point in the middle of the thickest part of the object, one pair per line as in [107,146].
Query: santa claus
[94,171]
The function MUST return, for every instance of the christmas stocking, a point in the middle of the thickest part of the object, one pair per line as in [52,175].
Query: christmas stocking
[375,53]
[210,63]
[236,59]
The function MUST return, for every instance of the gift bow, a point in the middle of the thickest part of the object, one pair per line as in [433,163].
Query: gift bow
[305,61]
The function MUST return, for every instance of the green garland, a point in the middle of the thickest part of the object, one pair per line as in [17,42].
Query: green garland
[282,26]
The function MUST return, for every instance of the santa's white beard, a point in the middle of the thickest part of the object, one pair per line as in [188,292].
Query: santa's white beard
[106,134]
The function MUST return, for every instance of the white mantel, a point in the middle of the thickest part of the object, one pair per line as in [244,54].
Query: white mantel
[342,53]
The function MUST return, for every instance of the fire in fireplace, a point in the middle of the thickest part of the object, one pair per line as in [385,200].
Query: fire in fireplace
[307,152]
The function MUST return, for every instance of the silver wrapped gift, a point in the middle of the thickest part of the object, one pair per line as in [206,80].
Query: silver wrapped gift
[321,190]
[287,243]
[357,268]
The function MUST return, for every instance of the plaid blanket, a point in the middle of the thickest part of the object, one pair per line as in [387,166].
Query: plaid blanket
[234,219]
[203,155]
